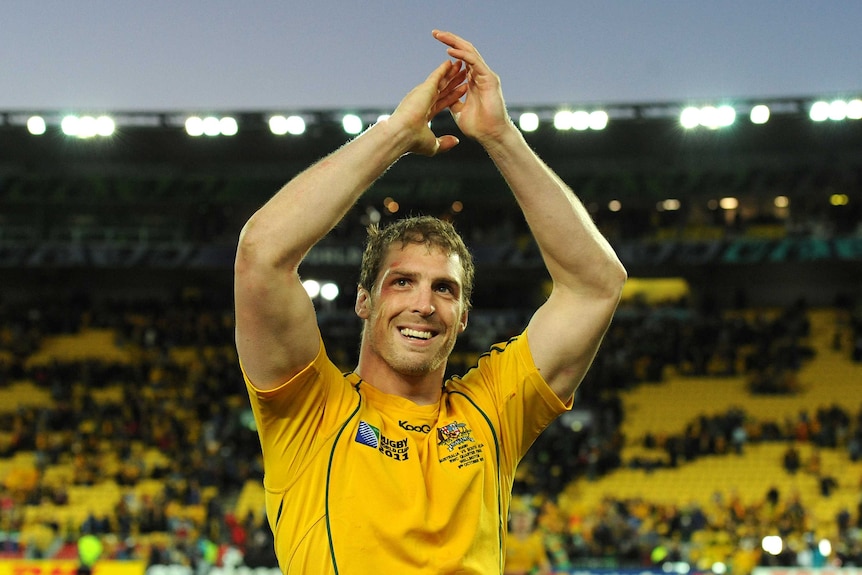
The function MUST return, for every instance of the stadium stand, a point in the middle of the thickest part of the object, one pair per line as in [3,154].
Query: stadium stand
[713,416]
[112,430]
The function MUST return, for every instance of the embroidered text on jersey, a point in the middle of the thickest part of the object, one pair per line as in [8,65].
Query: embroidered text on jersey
[453,435]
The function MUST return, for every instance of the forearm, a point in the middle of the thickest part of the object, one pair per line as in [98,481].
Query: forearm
[575,252]
[271,304]
[312,203]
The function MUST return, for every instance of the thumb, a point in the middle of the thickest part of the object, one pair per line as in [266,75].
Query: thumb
[446,143]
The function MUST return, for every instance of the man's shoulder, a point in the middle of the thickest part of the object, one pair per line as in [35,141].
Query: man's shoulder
[515,349]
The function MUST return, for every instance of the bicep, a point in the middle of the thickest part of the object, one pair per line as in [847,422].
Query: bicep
[565,334]
[276,326]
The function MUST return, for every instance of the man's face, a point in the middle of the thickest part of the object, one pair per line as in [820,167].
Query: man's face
[416,310]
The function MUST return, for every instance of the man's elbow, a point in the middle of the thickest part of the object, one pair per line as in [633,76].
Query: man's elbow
[258,250]
[613,280]
[247,250]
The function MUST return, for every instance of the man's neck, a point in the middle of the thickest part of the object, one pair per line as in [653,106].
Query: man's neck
[424,389]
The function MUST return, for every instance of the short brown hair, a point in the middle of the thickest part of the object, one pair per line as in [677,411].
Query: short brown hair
[428,230]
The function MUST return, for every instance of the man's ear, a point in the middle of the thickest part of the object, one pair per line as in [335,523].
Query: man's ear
[362,303]
[462,325]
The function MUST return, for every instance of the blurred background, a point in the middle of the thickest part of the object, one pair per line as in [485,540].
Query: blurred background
[720,428]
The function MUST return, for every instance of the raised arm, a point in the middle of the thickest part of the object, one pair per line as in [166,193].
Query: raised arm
[276,328]
[565,332]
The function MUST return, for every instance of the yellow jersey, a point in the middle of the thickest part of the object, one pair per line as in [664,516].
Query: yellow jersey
[358,481]
[523,555]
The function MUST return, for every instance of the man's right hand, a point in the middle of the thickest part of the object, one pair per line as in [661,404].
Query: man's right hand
[440,90]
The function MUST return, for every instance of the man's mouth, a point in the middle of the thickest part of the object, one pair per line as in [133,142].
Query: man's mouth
[415,333]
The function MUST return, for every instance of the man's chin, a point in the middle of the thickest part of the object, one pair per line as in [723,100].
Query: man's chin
[417,369]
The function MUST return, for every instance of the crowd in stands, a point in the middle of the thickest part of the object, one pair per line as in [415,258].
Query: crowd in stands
[191,408]
[190,411]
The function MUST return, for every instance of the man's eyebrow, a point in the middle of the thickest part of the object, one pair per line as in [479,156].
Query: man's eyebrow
[448,279]
[401,272]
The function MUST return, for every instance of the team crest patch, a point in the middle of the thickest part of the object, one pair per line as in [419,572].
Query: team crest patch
[368,435]
[453,435]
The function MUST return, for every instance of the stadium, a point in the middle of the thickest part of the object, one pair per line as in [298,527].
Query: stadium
[719,429]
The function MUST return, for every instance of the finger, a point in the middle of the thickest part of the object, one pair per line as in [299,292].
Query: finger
[452,40]
[459,48]
[454,68]
[454,81]
[439,73]
[471,58]
[451,77]
[449,100]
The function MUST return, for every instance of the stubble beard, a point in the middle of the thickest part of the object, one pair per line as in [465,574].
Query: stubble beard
[407,363]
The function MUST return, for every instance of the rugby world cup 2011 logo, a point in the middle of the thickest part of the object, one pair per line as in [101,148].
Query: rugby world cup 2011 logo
[453,435]
[368,435]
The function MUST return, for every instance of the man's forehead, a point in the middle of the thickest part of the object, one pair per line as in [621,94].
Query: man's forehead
[404,255]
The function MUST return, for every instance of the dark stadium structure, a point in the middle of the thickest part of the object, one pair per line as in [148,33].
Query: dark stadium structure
[713,418]
[150,198]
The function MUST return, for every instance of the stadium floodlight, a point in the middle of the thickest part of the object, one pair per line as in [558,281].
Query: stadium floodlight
[71,125]
[563,120]
[598,120]
[728,203]
[295,125]
[105,126]
[580,120]
[839,200]
[312,288]
[711,117]
[352,124]
[528,122]
[690,117]
[212,126]
[819,111]
[838,110]
[36,125]
[383,117]
[86,126]
[228,126]
[772,544]
[759,114]
[726,116]
[194,126]
[329,291]
[714,118]
[280,125]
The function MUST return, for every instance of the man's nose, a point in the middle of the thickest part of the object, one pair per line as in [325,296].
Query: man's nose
[423,305]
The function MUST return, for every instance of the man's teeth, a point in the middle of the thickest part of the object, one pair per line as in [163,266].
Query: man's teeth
[417,334]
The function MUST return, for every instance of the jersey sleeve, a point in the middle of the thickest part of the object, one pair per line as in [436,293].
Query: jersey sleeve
[292,423]
[523,401]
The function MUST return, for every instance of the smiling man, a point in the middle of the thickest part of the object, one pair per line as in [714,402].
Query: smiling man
[390,468]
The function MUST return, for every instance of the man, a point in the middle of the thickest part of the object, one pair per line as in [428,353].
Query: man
[525,546]
[389,469]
